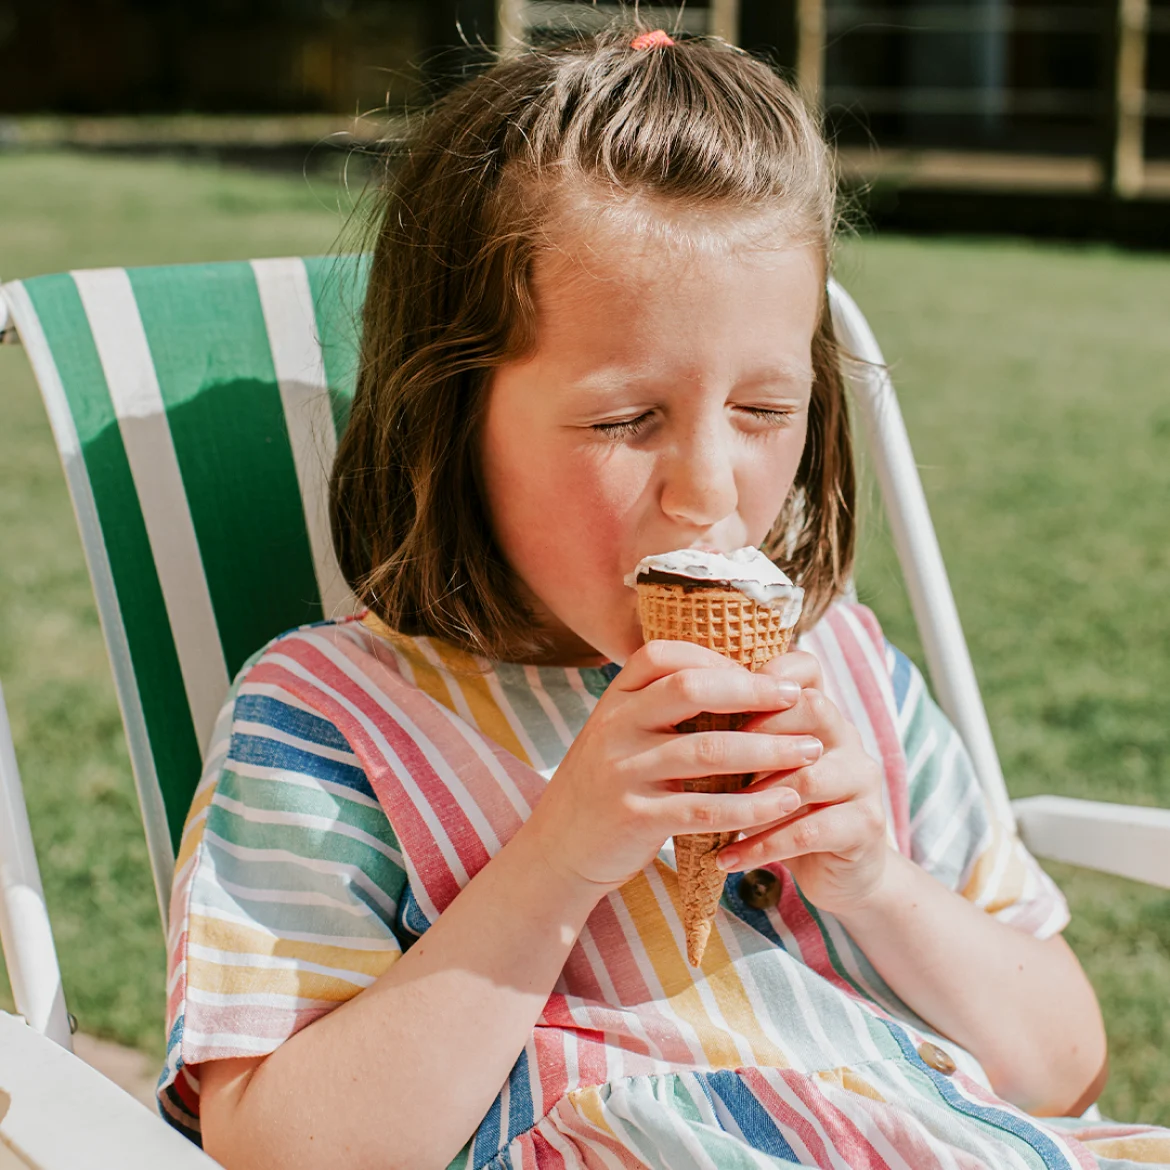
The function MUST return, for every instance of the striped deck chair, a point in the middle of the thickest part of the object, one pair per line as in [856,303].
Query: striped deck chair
[196,410]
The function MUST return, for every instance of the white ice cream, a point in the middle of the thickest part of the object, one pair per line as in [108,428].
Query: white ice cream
[745,569]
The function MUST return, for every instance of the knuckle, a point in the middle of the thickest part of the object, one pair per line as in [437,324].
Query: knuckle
[689,686]
[709,748]
[818,705]
[806,834]
[873,816]
[704,813]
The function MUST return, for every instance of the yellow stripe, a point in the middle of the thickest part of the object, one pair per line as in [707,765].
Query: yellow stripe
[1151,1149]
[469,678]
[192,833]
[427,678]
[229,980]
[1011,881]
[670,965]
[846,1078]
[729,991]
[588,1103]
[242,940]
[459,670]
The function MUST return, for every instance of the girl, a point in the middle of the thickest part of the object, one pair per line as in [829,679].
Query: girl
[423,912]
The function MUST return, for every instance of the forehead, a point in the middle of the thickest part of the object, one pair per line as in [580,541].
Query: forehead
[635,278]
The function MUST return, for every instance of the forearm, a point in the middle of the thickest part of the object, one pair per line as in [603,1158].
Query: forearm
[401,1075]
[1022,1006]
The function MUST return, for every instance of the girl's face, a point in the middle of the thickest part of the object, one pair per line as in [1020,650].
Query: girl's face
[665,406]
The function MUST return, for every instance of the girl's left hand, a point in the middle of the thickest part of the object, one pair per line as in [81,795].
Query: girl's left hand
[835,844]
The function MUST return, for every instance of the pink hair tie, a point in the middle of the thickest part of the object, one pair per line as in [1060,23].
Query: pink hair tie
[657,39]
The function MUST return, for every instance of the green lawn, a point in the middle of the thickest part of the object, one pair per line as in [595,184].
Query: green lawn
[1034,380]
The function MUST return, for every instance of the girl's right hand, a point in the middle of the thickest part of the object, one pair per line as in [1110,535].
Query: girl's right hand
[618,793]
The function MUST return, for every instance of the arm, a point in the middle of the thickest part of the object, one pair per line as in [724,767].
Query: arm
[434,1037]
[445,1023]
[1021,1005]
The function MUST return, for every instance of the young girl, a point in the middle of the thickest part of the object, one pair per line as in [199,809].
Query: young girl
[423,912]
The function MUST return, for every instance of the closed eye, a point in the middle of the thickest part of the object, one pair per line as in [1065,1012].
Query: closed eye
[623,428]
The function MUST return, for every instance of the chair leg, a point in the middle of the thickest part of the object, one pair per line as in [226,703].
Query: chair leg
[25,931]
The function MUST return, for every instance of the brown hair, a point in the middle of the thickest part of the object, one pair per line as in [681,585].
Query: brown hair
[459,221]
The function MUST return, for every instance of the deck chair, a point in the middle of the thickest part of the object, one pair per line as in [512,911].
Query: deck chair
[196,410]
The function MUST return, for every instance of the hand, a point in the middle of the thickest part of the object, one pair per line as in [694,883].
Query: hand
[618,793]
[835,844]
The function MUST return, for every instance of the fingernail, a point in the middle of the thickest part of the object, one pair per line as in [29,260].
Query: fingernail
[810,749]
[727,861]
[786,690]
[788,801]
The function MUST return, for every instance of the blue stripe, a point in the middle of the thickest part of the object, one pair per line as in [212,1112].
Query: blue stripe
[758,920]
[520,1114]
[487,1137]
[270,753]
[900,676]
[757,1126]
[270,712]
[999,1118]
[411,918]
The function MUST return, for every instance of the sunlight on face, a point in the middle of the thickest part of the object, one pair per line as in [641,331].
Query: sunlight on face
[665,407]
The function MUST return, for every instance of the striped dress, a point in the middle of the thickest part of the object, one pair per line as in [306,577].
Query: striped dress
[359,779]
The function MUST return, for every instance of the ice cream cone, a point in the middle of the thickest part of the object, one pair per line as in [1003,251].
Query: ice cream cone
[723,619]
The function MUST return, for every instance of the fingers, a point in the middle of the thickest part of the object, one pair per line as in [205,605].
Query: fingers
[798,665]
[841,829]
[814,714]
[685,693]
[659,658]
[722,812]
[727,753]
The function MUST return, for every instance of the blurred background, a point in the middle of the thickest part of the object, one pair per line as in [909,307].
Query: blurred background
[1007,166]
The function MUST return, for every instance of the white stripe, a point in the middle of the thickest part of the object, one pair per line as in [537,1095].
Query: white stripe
[532,675]
[958,820]
[150,800]
[339,792]
[287,303]
[126,359]
[310,747]
[269,999]
[300,820]
[513,719]
[230,1042]
[343,872]
[430,750]
[384,943]
[355,908]
[257,960]
[434,827]
[703,989]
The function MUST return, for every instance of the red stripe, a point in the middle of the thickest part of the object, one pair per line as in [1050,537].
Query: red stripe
[795,916]
[435,721]
[875,699]
[416,838]
[854,1147]
[547,1157]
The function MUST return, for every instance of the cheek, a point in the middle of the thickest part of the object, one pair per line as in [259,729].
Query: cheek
[559,512]
[766,481]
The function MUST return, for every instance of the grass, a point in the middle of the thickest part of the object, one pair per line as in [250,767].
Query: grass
[1034,386]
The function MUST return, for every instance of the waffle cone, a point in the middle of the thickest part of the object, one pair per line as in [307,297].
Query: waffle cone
[733,625]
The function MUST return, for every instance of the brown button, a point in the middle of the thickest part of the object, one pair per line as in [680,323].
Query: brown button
[760,889]
[936,1058]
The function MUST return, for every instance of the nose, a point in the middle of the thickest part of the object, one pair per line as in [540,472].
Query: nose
[698,485]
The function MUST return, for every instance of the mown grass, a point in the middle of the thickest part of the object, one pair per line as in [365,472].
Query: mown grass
[1034,381]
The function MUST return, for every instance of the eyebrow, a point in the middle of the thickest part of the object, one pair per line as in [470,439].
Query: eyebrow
[613,378]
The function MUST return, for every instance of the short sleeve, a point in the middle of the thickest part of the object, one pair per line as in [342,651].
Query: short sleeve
[289,892]
[955,833]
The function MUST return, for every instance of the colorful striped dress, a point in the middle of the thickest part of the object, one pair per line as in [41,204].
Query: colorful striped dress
[359,779]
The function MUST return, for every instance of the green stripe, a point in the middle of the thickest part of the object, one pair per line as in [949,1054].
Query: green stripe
[338,285]
[210,348]
[152,650]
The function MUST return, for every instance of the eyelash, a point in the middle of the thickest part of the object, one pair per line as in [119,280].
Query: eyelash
[628,427]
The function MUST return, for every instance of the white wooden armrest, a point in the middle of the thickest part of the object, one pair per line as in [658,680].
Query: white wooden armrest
[1129,840]
[57,1113]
